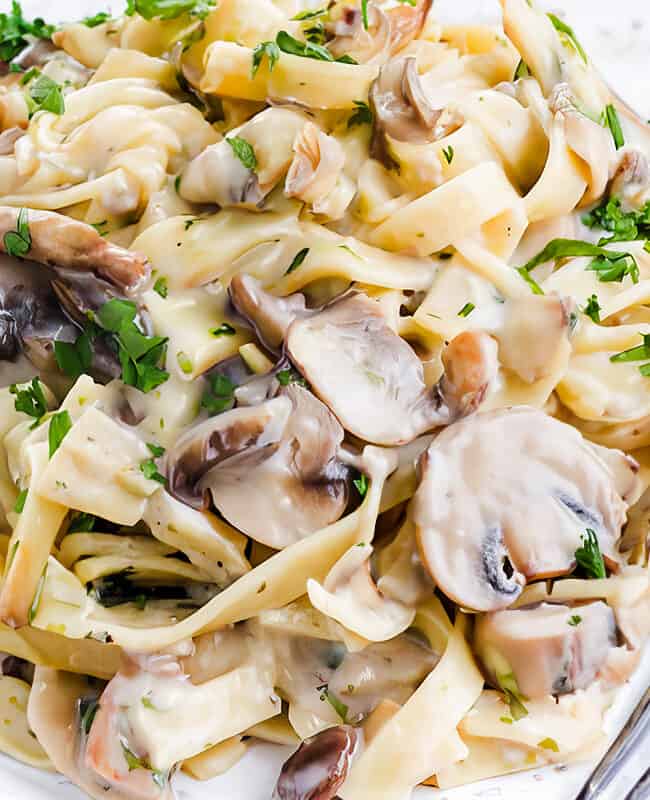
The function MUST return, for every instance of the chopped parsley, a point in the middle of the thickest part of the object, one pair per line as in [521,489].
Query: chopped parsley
[45,95]
[362,116]
[184,362]
[361,484]
[514,698]
[448,153]
[30,400]
[82,523]
[36,602]
[268,49]
[624,226]
[146,702]
[338,706]
[522,71]
[611,265]
[14,29]
[592,308]
[303,16]
[466,310]
[160,287]
[574,620]
[224,329]
[567,34]
[288,44]
[156,450]
[243,150]
[98,19]
[297,260]
[639,353]
[169,9]
[589,558]
[19,242]
[74,358]
[288,376]
[150,471]
[534,286]
[220,394]
[20,501]
[60,424]
[614,125]
[139,355]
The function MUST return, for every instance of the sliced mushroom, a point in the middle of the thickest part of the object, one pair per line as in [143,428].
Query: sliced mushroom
[60,241]
[507,496]
[272,469]
[318,768]
[631,181]
[37,53]
[366,46]
[549,649]
[270,316]
[373,380]
[316,171]
[350,596]
[407,22]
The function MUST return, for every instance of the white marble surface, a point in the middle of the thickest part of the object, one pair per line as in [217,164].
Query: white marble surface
[616,33]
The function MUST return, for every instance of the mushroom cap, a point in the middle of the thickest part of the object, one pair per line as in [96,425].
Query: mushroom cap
[272,469]
[506,496]
[549,649]
[374,381]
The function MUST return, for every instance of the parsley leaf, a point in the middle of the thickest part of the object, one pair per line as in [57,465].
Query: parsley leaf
[522,71]
[589,557]
[305,15]
[19,242]
[534,286]
[169,9]
[268,49]
[448,153]
[220,396]
[297,260]
[20,501]
[568,35]
[223,330]
[574,620]
[624,226]
[156,450]
[30,400]
[99,19]
[14,28]
[362,116]
[592,308]
[510,689]
[74,358]
[361,484]
[45,95]
[611,265]
[149,469]
[184,362]
[338,706]
[36,602]
[288,44]
[60,424]
[82,522]
[466,310]
[639,353]
[243,150]
[288,376]
[614,125]
[160,287]
[139,355]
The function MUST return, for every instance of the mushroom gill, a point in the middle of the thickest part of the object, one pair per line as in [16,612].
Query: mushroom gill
[272,470]
[507,496]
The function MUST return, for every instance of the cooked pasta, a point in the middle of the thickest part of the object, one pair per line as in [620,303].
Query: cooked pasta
[325,346]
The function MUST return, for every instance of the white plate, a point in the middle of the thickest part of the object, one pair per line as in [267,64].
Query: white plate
[616,34]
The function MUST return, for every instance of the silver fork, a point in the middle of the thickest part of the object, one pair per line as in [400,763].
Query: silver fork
[635,731]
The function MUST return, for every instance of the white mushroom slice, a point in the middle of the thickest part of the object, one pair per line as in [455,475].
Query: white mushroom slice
[60,241]
[631,181]
[272,470]
[373,380]
[350,596]
[317,170]
[549,649]
[507,496]
[366,45]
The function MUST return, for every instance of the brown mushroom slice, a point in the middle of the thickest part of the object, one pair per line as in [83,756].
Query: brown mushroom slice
[318,768]
[549,649]
[270,316]
[373,380]
[406,23]
[506,496]
[60,241]
[400,107]
[272,470]
[366,46]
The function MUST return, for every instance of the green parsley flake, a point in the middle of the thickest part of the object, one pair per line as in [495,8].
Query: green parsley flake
[18,243]
[614,125]
[14,30]
[288,376]
[574,620]
[268,49]
[224,329]
[60,424]
[244,151]
[338,706]
[448,153]
[150,471]
[589,558]
[156,450]
[522,71]
[567,34]
[30,400]
[74,358]
[220,396]
[184,362]
[36,602]
[534,286]
[82,523]
[592,308]
[361,485]
[20,501]
[99,19]
[514,698]
[362,116]
[297,260]
[549,744]
[45,95]
[169,9]
[160,287]
[623,226]
[466,310]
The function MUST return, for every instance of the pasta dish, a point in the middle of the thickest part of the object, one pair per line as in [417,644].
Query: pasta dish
[325,419]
